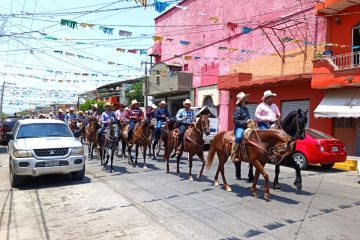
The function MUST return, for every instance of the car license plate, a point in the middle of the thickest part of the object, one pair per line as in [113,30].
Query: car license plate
[334,149]
[52,163]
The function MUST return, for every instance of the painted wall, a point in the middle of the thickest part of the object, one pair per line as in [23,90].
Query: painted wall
[285,93]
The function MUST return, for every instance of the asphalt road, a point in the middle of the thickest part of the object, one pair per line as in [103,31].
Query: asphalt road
[134,203]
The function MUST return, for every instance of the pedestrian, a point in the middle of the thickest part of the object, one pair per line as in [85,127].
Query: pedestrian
[267,113]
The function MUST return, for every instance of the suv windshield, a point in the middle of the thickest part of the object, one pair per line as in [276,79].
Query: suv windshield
[38,130]
[317,134]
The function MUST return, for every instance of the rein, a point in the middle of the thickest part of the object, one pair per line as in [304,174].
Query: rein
[201,145]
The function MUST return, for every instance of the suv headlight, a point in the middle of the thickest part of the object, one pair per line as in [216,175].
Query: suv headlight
[22,153]
[77,151]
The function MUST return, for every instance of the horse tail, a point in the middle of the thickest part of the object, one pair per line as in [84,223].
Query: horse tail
[211,155]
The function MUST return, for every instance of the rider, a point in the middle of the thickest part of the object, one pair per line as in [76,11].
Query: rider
[81,116]
[61,115]
[70,116]
[241,118]
[106,118]
[135,115]
[185,117]
[93,111]
[161,114]
[120,113]
[267,113]
[150,114]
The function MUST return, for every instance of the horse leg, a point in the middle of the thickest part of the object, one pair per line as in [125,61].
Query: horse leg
[261,169]
[216,182]
[112,159]
[253,187]
[144,155]
[298,180]
[89,150]
[123,148]
[221,168]
[156,141]
[107,156]
[190,167]
[136,155]
[130,160]
[251,173]
[276,184]
[201,156]
[238,170]
[178,163]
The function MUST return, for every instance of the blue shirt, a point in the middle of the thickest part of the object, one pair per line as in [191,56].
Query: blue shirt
[107,117]
[185,116]
[70,116]
[159,113]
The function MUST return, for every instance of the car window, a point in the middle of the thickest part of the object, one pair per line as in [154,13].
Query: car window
[10,123]
[317,134]
[15,128]
[37,130]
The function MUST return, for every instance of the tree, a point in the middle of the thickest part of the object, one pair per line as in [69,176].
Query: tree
[87,105]
[136,92]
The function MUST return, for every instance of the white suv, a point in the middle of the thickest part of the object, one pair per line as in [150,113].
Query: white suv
[44,146]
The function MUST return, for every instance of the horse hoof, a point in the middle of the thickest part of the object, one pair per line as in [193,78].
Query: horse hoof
[277,187]
[255,195]
[191,179]
[228,188]
[216,183]
[145,167]
[267,197]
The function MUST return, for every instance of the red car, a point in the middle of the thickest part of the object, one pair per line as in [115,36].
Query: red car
[318,147]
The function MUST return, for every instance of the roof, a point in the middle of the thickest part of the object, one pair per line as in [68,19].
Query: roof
[335,6]
[31,121]
[339,103]
[121,82]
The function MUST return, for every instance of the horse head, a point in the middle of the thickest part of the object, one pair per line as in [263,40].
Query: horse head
[301,121]
[114,130]
[203,124]
[92,125]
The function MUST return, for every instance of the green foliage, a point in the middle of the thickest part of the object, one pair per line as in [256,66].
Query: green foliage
[136,92]
[87,105]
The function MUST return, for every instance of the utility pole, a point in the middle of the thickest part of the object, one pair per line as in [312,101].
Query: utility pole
[146,92]
[2,97]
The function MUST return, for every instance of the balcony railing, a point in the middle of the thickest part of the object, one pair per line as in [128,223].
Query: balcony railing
[344,61]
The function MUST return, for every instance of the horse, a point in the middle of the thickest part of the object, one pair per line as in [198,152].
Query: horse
[121,141]
[259,144]
[141,137]
[108,144]
[168,126]
[90,134]
[294,125]
[193,143]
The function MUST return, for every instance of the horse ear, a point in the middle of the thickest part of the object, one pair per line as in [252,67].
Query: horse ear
[299,111]
[306,112]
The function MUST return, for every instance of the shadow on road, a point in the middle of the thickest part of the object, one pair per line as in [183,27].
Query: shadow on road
[3,150]
[51,181]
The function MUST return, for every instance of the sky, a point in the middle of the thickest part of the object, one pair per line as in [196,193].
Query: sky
[35,74]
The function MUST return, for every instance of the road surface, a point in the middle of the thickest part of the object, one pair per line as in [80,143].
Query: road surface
[134,203]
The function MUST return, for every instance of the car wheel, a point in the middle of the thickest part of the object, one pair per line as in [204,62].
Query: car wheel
[79,175]
[16,180]
[301,160]
[327,165]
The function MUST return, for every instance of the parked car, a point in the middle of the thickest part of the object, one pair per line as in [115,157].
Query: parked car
[213,123]
[44,146]
[319,148]
[5,127]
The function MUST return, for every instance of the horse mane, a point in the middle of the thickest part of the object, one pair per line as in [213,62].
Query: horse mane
[289,118]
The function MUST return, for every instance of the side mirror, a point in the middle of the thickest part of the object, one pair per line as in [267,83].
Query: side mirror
[9,135]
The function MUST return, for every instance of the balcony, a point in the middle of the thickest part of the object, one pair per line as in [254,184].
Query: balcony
[169,83]
[344,61]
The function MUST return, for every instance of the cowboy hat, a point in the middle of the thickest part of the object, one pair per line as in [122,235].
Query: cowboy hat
[67,110]
[60,110]
[153,106]
[268,93]
[94,105]
[71,109]
[107,105]
[134,102]
[187,101]
[80,112]
[162,103]
[241,96]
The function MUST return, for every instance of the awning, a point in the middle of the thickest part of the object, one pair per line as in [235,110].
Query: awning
[335,6]
[340,103]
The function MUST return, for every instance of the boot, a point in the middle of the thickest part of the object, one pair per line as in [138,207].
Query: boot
[234,151]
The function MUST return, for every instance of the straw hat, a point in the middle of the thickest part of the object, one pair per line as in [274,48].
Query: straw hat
[71,109]
[60,110]
[94,105]
[268,93]
[107,105]
[162,103]
[153,106]
[80,112]
[241,96]
[67,110]
[187,101]
[134,102]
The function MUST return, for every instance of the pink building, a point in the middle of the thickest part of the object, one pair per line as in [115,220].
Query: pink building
[240,45]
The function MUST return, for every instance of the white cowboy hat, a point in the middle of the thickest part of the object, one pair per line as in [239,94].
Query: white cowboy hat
[162,103]
[134,102]
[153,106]
[268,93]
[71,109]
[187,101]
[94,105]
[60,110]
[67,110]
[107,105]
[241,96]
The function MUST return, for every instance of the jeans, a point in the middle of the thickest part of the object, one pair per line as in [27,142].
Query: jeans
[158,128]
[239,133]
[182,129]
[131,129]
[263,125]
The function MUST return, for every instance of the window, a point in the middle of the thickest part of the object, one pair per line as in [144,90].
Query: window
[38,130]
[186,67]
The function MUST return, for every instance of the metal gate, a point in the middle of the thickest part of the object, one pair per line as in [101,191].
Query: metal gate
[288,106]
[252,107]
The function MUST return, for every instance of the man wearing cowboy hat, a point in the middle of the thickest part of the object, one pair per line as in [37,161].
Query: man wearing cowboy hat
[121,113]
[267,113]
[61,115]
[106,118]
[241,118]
[81,116]
[93,111]
[70,116]
[135,115]
[161,114]
[185,117]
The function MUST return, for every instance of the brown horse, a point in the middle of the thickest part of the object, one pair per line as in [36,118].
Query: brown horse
[258,147]
[141,137]
[90,134]
[108,144]
[193,143]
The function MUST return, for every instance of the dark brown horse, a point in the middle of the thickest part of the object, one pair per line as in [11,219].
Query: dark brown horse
[193,143]
[108,144]
[141,137]
[122,141]
[260,144]
[90,134]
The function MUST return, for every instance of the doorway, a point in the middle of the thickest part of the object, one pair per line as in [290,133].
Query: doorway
[356,44]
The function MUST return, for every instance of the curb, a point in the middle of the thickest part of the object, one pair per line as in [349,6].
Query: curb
[348,165]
